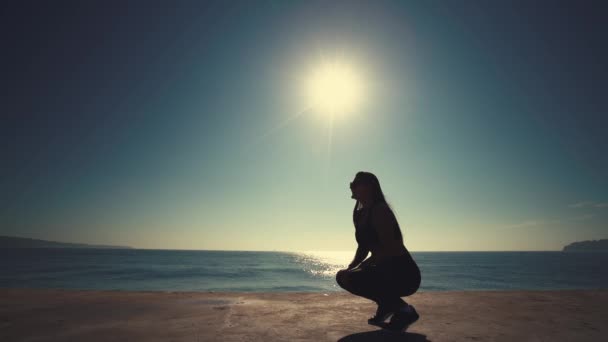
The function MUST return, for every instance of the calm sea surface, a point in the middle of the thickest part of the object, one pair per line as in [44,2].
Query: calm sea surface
[170,270]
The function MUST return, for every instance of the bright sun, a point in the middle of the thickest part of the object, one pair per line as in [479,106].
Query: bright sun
[334,88]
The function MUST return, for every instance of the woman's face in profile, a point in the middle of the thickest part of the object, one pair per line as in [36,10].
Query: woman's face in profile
[359,189]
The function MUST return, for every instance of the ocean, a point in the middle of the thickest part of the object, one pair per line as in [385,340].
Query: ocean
[179,270]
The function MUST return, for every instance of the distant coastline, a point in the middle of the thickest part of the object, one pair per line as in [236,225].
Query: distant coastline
[587,246]
[20,242]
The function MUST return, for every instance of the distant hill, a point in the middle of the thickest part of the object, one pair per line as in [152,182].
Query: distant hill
[19,242]
[588,246]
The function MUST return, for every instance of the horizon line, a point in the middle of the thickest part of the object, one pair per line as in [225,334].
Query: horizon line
[313,251]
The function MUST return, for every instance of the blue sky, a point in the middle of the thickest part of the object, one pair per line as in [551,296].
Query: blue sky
[173,124]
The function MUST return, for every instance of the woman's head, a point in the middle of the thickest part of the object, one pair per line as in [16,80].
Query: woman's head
[366,187]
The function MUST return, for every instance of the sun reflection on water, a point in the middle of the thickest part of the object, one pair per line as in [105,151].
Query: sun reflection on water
[324,263]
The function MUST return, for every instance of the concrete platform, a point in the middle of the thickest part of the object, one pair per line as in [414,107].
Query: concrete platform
[68,315]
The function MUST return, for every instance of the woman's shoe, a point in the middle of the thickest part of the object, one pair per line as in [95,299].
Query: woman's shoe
[382,314]
[402,319]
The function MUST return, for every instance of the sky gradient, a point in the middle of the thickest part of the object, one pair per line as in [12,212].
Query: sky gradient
[182,125]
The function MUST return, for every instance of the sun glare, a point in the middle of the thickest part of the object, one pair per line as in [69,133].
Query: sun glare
[334,88]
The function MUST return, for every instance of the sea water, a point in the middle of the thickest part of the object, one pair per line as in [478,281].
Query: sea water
[179,270]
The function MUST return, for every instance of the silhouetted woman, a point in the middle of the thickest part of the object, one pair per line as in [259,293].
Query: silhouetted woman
[390,272]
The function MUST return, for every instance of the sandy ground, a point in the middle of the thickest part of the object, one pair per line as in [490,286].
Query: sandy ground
[68,315]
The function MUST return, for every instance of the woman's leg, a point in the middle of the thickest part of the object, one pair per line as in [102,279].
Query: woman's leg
[389,284]
[384,284]
[409,280]
[360,282]
[397,278]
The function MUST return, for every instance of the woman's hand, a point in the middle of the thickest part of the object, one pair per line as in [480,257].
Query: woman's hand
[360,255]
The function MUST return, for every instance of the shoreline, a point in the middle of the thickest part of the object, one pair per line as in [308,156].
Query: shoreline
[36,289]
[465,315]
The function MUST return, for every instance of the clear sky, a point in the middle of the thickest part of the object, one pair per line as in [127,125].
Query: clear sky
[186,125]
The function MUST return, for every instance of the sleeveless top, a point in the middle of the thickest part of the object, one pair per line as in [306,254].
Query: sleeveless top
[366,234]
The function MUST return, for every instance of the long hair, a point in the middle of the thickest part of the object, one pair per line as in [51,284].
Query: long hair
[377,197]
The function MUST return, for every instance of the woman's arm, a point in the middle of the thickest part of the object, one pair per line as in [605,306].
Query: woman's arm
[360,255]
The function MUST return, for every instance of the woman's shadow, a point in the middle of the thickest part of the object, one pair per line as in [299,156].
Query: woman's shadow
[384,335]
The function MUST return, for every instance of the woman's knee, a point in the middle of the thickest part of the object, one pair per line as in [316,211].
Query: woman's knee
[342,278]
